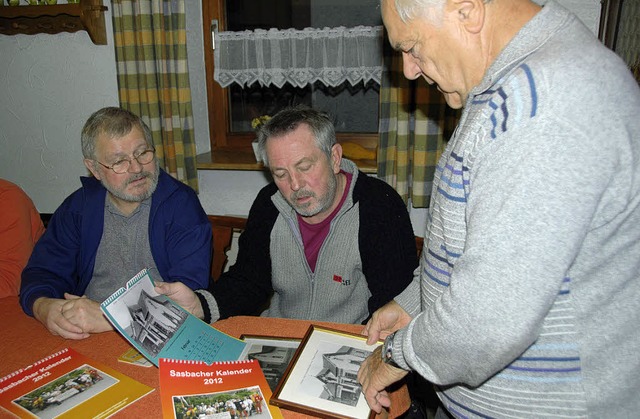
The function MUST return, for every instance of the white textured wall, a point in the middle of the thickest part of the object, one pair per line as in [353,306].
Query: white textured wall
[50,84]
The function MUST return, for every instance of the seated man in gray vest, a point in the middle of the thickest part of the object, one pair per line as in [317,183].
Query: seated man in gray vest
[324,241]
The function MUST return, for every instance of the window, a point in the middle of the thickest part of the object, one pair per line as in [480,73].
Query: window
[231,109]
[619,28]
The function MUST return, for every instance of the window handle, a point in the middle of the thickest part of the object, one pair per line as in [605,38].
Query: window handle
[214,30]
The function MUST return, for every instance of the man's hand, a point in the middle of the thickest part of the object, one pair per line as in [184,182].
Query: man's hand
[85,313]
[48,311]
[385,320]
[183,296]
[375,376]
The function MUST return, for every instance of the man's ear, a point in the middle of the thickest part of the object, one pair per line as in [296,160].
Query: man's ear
[91,166]
[471,14]
[336,157]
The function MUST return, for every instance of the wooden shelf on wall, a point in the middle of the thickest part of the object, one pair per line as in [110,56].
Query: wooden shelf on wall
[86,15]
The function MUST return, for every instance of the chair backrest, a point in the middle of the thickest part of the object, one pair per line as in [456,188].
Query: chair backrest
[222,228]
[45,217]
[419,244]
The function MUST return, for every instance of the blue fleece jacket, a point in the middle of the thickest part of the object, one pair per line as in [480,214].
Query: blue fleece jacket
[64,257]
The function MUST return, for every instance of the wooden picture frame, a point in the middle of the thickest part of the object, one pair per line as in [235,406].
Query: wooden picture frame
[274,354]
[311,384]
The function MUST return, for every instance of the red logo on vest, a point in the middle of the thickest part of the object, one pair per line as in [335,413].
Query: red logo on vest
[339,280]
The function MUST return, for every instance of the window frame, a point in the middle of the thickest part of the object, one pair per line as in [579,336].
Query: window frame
[609,22]
[221,136]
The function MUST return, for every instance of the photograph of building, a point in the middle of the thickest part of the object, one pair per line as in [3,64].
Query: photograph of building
[154,320]
[273,361]
[339,375]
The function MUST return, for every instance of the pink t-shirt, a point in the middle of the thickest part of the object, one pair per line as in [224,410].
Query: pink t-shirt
[313,235]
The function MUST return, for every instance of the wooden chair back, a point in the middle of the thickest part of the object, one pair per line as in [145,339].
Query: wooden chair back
[419,243]
[222,228]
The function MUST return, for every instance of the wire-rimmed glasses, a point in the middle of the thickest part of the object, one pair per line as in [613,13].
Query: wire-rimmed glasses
[122,166]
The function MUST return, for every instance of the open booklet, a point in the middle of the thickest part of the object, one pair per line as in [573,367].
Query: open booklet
[160,328]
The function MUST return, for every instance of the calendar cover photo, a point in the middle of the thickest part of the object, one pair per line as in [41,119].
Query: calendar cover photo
[232,389]
[68,384]
[159,328]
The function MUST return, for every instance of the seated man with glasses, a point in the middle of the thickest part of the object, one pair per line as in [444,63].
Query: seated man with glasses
[130,215]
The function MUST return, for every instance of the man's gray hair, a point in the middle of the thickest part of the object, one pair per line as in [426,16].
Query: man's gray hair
[288,120]
[410,9]
[114,122]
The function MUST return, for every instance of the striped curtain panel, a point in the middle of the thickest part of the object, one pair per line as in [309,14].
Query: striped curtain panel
[415,123]
[153,78]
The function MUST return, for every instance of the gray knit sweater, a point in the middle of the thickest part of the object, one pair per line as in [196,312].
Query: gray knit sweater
[528,302]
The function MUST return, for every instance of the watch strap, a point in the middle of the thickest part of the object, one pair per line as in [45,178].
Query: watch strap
[387,351]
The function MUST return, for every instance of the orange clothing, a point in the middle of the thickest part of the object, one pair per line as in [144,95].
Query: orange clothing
[20,228]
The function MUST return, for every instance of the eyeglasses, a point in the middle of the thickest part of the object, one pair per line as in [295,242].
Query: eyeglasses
[122,166]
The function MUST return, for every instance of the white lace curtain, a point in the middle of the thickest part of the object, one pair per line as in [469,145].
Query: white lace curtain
[299,57]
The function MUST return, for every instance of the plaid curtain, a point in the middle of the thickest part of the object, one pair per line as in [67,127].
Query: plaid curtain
[153,79]
[415,123]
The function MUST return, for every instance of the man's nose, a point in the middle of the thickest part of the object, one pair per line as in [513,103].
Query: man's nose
[296,182]
[410,67]
[134,166]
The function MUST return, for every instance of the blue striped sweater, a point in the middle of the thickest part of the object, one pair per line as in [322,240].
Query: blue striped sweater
[526,303]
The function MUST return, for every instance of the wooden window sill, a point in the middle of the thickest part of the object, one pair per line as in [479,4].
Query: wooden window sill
[244,159]
[240,159]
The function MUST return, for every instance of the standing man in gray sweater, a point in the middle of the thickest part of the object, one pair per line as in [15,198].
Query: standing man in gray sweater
[526,303]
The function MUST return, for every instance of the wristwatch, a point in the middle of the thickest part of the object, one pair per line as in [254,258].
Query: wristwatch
[387,351]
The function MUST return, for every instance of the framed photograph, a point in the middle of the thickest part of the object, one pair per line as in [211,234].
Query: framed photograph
[272,353]
[321,380]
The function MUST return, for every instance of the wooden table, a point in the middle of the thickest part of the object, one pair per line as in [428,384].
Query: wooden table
[24,340]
